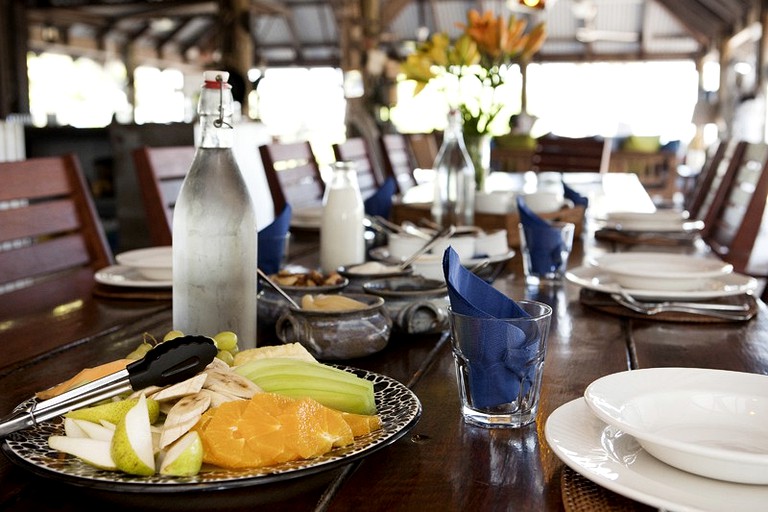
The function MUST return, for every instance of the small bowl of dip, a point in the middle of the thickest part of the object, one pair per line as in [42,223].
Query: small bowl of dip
[362,273]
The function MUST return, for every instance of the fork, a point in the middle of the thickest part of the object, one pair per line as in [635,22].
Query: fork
[726,311]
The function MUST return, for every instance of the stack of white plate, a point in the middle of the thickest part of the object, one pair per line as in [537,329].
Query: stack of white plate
[660,221]
[146,268]
[674,438]
[662,275]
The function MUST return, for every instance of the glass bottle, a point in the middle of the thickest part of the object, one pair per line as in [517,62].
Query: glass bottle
[215,230]
[342,234]
[454,201]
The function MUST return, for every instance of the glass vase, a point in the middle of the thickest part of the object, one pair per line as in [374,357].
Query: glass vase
[479,149]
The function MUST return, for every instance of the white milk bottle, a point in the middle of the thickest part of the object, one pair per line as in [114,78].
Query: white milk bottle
[342,238]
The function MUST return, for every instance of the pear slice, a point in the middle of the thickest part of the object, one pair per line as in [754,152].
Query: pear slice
[184,457]
[132,447]
[91,451]
[72,428]
[95,430]
[113,412]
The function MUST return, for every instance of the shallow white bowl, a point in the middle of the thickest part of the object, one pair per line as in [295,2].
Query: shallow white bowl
[661,271]
[154,263]
[464,245]
[712,423]
[403,246]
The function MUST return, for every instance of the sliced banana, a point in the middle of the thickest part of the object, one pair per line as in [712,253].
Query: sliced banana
[183,416]
[190,386]
[230,383]
[218,398]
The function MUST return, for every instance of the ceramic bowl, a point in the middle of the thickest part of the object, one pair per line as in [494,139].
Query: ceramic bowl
[338,335]
[153,263]
[270,305]
[415,304]
[464,245]
[403,246]
[492,243]
[357,279]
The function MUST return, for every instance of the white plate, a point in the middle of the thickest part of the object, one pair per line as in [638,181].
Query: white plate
[154,263]
[710,422]
[599,280]
[661,270]
[382,254]
[614,460]
[118,275]
[660,221]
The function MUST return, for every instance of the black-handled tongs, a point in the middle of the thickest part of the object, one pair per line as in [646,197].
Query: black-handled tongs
[167,363]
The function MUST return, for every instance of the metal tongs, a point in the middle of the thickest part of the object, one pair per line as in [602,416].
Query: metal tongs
[168,363]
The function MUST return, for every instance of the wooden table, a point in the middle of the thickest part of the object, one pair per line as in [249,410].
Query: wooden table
[441,464]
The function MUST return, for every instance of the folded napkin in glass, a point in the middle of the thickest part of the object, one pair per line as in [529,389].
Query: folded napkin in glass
[578,199]
[497,354]
[380,203]
[544,243]
[272,242]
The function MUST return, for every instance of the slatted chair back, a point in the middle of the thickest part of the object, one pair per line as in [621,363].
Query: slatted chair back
[565,154]
[399,160]
[695,200]
[160,171]
[355,150]
[735,224]
[48,222]
[721,183]
[293,175]
[424,147]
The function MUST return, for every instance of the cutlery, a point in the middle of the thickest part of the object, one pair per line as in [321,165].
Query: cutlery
[277,288]
[443,233]
[167,363]
[726,311]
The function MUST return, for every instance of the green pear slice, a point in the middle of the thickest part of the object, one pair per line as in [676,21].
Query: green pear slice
[95,430]
[91,451]
[72,428]
[184,457]
[132,447]
[113,411]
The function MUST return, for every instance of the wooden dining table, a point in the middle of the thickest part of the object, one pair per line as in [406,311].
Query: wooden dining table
[50,332]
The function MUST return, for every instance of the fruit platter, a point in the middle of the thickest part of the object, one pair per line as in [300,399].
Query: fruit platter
[174,438]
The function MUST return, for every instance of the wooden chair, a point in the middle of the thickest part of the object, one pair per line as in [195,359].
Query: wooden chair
[48,222]
[424,147]
[399,160]
[160,172]
[695,200]
[721,181]
[356,150]
[734,225]
[565,154]
[293,175]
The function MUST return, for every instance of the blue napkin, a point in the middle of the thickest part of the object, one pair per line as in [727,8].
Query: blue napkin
[545,244]
[272,242]
[380,203]
[495,354]
[578,199]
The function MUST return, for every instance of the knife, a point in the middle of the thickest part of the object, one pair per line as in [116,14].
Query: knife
[167,363]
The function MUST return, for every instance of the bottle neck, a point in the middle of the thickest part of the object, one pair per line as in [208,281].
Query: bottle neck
[216,110]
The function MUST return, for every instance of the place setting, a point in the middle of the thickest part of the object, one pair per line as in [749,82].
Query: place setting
[666,287]
[657,228]
[140,273]
[672,438]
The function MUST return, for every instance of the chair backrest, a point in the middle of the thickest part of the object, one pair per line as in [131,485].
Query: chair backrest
[424,147]
[721,182]
[399,161]
[293,175]
[696,198]
[160,172]
[733,225]
[565,154]
[356,150]
[48,221]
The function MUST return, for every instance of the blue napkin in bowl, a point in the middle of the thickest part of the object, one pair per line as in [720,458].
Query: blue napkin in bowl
[380,203]
[545,244]
[272,242]
[496,354]
[578,199]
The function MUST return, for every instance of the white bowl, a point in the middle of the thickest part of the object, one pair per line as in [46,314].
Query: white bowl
[544,201]
[497,202]
[402,247]
[429,266]
[661,271]
[153,263]
[493,243]
[712,423]
[464,245]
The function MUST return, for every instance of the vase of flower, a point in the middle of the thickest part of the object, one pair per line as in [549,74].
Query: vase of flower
[479,149]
